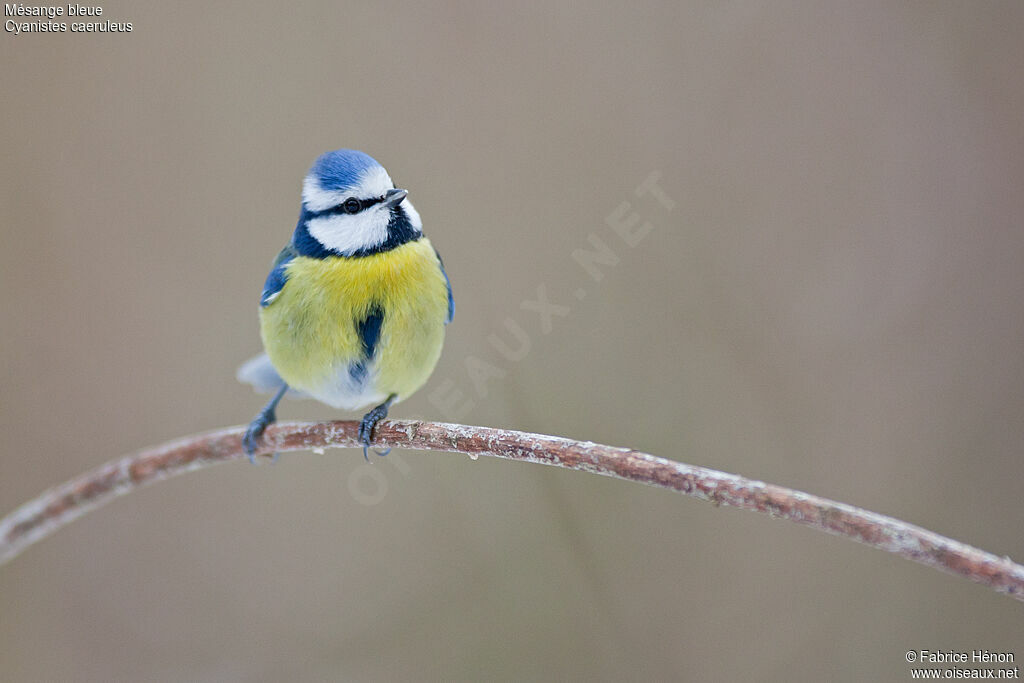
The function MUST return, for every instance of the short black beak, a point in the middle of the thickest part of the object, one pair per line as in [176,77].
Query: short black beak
[394,197]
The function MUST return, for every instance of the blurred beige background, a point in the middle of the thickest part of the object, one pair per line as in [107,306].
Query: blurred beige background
[836,303]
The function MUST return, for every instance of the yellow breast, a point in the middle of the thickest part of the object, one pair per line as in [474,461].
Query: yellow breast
[311,332]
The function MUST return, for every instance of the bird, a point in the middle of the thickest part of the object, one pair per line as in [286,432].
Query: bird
[354,310]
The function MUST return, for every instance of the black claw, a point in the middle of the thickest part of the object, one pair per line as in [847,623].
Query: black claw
[254,434]
[259,424]
[366,452]
[370,421]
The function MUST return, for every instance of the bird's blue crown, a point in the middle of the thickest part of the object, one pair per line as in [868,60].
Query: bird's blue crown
[342,169]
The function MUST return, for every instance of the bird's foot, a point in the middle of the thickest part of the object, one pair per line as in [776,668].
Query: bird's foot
[368,423]
[254,434]
[259,424]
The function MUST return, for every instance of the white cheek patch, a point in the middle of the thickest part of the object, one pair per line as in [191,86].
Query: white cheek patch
[373,182]
[414,215]
[348,233]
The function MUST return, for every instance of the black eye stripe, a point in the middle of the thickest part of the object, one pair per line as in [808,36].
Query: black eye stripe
[340,208]
[367,203]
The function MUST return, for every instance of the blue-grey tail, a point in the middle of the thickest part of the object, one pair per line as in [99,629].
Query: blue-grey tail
[261,374]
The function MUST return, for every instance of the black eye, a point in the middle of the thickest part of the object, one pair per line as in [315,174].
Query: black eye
[351,205]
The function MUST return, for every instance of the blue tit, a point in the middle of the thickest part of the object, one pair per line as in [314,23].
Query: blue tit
[353,312]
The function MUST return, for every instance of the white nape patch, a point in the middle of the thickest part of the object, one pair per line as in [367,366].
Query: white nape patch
[414,215]
[373,182]
[348,233]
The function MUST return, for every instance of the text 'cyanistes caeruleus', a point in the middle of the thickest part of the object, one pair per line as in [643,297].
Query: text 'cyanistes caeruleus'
[354,308]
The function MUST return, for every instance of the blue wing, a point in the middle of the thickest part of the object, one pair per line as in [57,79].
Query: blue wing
[278,276]
[451,301]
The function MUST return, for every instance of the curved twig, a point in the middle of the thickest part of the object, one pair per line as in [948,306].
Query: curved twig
[58,506]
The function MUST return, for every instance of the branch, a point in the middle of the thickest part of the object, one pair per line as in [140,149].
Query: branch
[39,518]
